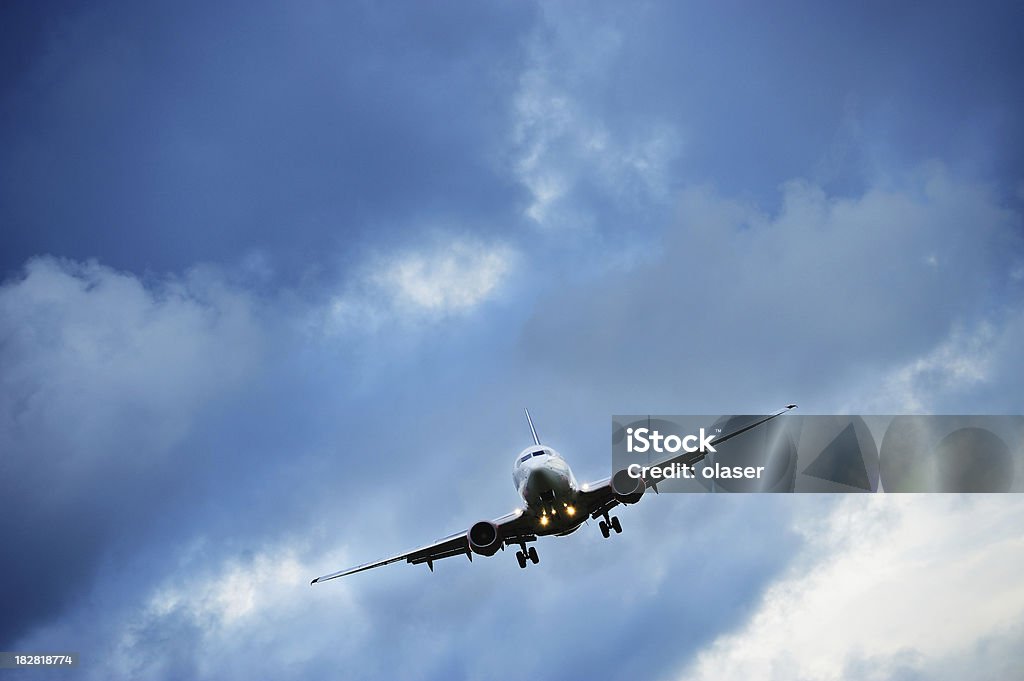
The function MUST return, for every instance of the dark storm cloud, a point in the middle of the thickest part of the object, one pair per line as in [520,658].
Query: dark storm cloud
[153,136]
[101,379]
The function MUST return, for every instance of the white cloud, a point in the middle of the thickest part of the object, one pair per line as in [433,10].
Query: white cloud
[562,142]
[235,608]
[902,581]
[450,278]
[104,379]
[458,277]
[959,363]
[96,362]
[240,591]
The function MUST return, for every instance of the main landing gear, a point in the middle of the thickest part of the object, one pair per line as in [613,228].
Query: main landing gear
[524,555]
[607,525]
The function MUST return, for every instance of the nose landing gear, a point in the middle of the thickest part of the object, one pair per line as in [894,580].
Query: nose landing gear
[609,524]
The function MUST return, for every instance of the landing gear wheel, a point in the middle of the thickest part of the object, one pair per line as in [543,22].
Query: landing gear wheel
[521,557]
[532,554]
[604,528]
[615,524]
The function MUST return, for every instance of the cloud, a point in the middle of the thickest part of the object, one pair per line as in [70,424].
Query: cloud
[452,277]
[718,307]
[233,608]
[127,403]
[102,379]
[566,152]
[233,614]
[887,585]
[119,392]
[238,590]
[86,336]
[959,363]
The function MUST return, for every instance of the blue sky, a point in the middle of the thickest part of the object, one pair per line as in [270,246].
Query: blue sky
[278,281]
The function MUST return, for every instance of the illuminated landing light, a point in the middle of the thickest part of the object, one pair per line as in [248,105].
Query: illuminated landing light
[544,520]
[586,487]
[571,510]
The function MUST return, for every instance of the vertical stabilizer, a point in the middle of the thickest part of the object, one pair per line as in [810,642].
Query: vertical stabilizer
[533,431]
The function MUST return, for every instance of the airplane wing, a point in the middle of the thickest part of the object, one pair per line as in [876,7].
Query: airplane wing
[513,527]
[597,498]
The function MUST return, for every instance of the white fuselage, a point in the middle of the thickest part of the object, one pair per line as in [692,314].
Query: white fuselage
[548,487]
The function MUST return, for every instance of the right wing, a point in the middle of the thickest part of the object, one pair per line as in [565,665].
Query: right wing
[597,498]
[512,527]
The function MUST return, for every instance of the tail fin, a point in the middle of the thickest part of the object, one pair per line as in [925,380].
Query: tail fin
[533,431]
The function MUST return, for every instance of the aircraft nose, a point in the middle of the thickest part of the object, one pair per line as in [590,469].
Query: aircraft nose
[542,480]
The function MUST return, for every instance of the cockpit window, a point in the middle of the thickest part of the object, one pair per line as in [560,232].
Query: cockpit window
[526,456]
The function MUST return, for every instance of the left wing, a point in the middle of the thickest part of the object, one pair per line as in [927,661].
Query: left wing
[513,527]
[599,497]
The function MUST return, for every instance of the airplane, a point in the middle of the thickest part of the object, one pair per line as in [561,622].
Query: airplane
[554,505]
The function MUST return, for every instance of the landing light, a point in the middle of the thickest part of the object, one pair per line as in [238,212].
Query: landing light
[544,520]
[586,487]
[571,510]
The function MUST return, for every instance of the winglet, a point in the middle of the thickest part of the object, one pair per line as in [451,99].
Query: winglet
[533,431]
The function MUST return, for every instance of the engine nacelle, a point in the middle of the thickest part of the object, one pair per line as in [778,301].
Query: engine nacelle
[484,538]
[628,490]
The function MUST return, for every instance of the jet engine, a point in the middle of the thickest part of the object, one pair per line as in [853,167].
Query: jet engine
[484,538]
[628,490]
